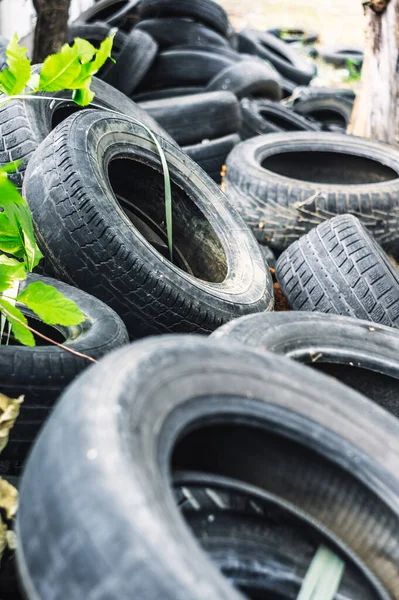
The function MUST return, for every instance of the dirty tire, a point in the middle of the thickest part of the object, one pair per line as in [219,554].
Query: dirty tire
[339,55]
[248,78]
[259,543]
[332,112]
[170,32]
[361,354]
[173,92]
[339,268]
[306,92]
[293,36]
[24,125]
[264,116]
[287,60]
[224,274]
[190,119]
[322,175]
[335,459]
[175,68]
[134,61]
[42,372]
[204,11]
[268,255]
[211,155]
[116,13]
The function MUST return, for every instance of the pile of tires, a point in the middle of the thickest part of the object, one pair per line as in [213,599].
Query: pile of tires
[219,445]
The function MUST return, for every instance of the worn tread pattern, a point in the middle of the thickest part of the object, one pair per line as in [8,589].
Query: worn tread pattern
[338,268]
[279,210]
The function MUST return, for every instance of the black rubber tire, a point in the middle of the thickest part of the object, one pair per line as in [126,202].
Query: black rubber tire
[221,50]
[95,33]
[306,92]
[133,63]
[248,78]
[117,13]
[80,223]
[362,356]
[263,116]
[3,57]
[190,119]
[291,35]
[262,420]
[170,32]
[280,202]
[268,255]
[24,125]
[173,92]
[339,55]
[258,543]
[332,112]
[175,68]
[288,61]
[204,11]
[287,87]
[41,373]
[339,268]
[211,155]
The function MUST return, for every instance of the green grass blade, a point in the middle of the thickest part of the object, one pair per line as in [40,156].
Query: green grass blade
[323,577]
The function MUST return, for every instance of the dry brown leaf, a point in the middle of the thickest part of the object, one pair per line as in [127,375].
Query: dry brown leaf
[8,498]
[9,411]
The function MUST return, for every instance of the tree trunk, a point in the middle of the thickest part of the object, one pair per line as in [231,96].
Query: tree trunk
[376,111]
[51,27]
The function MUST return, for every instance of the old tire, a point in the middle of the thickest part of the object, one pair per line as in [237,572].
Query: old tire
[171,32]
[116,220]
[332,112]
[190,119]
[163,93]
[361,354]
[339,268]
[284,184]
[263,116]
[24,125]
[204,11]
[42,372]
[340,55]
[289,62]
[116,13]
[336,459]
[211,155]
[292,36]
[248,78]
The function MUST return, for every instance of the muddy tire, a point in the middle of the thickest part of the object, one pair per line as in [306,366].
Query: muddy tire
[335,458]
[105,206]
[285,184]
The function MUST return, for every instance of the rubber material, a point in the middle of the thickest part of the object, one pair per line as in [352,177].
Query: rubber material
[340,55]
[117,13]
[134,61]
[170,32]
[287,87]
[248,78]
[211,155]
[173,92]
[205,11]
[303,93]
[292,35]
[289,62]
[332,112]
[308,177]
[24,125]
[102,202]
[95,33]
[190,119]
[362,355]
[175,68]
[268,255]
[338,267]
[263,116]
[157,403]
[42,372]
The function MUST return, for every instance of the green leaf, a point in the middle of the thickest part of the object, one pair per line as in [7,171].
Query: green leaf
[102,54]
[17,319]
[85,50]
[83,96]
[11,240]
[14,79]
[50,305]
[59,71]
[8,191]
[21,220]
[11,270]
[11,167]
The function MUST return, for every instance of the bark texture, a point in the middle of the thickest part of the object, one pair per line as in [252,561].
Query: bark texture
[376,110]
[51,27]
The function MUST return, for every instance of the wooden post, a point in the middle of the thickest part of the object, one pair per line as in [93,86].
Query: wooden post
[376,110]
[51,27]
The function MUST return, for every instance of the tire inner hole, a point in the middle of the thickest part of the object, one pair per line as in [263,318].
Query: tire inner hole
[139,189]
[328,167]
[49,331]
[281,122]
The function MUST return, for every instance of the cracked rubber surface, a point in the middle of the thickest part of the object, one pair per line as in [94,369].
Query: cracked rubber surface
[284,184]
[91,243]
[339,268]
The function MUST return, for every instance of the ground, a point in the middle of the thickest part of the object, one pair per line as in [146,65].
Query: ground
[338,21]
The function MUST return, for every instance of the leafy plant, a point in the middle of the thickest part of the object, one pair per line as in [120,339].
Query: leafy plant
[72,68]
[354,70]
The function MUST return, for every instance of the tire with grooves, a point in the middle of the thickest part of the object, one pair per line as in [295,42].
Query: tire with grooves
[102,202]
[204,11]
[282,198]
[339,268]
[146,410]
